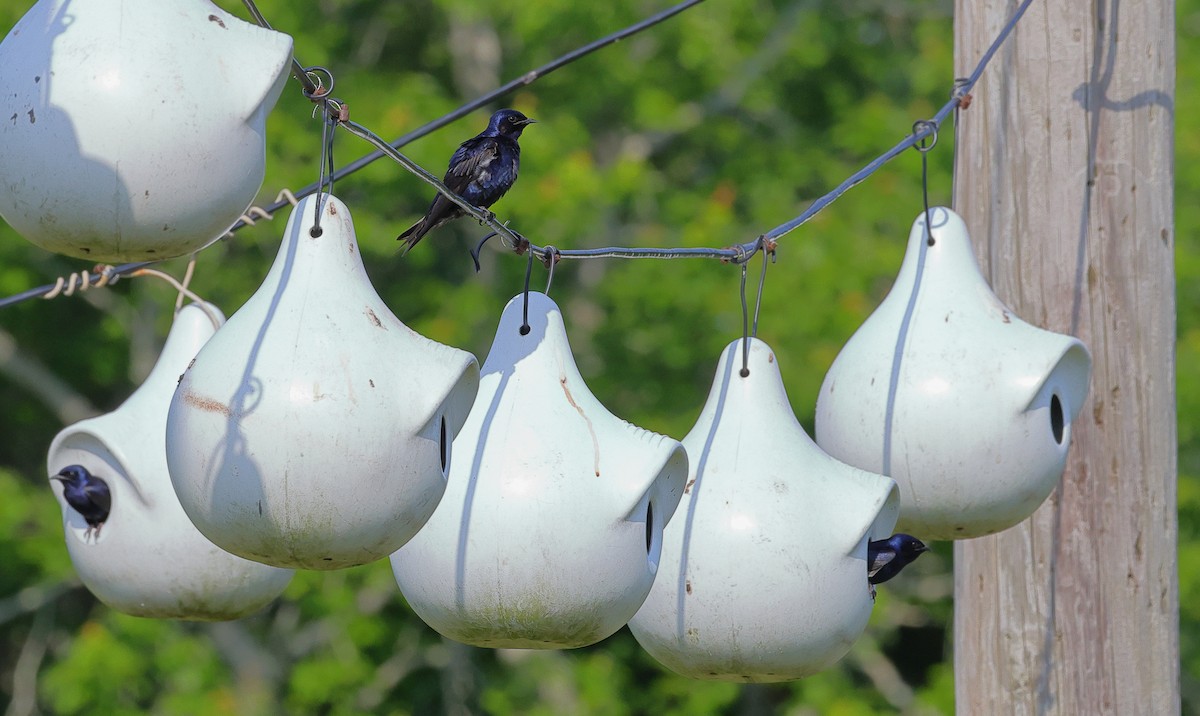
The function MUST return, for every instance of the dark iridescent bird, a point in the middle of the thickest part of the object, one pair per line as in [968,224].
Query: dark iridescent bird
[481,171]
[87,494]
[886,557]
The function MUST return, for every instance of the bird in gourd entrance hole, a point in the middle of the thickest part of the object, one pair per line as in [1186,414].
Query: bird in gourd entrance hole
[481,171]
[86,494]
[886,557]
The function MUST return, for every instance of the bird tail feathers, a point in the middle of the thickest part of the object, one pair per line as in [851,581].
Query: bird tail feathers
[412,235]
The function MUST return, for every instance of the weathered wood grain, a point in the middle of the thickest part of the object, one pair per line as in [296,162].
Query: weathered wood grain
[1064,175]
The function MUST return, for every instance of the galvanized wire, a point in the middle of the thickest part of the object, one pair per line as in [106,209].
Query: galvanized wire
[737,254]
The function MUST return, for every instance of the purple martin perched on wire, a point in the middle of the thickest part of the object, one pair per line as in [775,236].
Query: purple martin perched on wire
[87,494]
[481,171]
[886,557]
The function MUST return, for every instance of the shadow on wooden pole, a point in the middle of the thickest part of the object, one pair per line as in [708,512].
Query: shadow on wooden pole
[1064,177]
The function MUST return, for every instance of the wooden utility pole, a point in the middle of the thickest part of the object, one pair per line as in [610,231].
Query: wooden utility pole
[1064,176]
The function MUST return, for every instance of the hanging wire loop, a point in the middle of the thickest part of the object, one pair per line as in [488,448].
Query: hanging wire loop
[550,258]
[317,75]
[924,129]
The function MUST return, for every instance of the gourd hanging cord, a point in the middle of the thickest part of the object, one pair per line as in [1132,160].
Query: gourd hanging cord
[768,249]
[328,121]
[525,310]
[551,262]
[745,372]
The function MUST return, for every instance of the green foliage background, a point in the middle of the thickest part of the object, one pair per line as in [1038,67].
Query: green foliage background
[705,131]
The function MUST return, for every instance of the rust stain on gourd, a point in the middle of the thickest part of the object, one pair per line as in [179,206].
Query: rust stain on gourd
[208,405]
[591,429]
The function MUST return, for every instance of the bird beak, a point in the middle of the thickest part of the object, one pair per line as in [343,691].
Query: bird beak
[529,121]
[60,478]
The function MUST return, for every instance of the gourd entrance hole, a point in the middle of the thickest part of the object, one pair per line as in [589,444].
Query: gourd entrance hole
[443,445]
[649,525]
[1056,418]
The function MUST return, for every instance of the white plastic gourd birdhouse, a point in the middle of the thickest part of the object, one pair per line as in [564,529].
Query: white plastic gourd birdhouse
[147,559]
[314,430]
[943,388]
[763,574]
[550,531]
[133,129]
